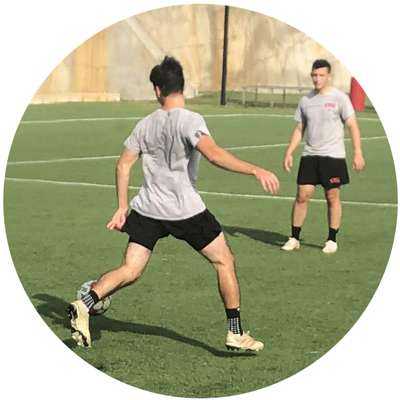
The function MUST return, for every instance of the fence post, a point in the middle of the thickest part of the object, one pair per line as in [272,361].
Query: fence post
[225,57]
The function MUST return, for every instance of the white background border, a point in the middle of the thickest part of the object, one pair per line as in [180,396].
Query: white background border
[37,35]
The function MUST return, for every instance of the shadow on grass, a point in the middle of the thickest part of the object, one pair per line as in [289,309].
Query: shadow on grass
[55,308]
[260,235]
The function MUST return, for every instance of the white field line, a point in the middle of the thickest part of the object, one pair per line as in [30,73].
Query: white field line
[103,119]
[232,195]
[262,146]
[55,160]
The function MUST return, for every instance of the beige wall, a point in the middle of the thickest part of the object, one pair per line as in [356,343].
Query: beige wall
[117,61]
[89,72]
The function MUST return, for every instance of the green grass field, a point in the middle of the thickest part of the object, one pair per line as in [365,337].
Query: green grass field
[166,333]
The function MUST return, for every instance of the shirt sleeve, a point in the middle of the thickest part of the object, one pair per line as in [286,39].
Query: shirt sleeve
[299,115]
[194,129]
[347,109]
[132,142]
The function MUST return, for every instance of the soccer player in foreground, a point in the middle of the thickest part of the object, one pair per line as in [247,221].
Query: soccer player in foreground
[322,115]
[171,141]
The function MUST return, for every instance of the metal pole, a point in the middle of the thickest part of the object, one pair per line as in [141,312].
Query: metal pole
[225,57]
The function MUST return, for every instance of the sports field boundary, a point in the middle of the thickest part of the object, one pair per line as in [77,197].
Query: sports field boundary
[94,158]
[205,193]
[104,119]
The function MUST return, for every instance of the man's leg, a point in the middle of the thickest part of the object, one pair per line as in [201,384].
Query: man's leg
[299,210]
[334,207]
[219,254]
[133,265]
[299,213]
[334,218]
[135,261]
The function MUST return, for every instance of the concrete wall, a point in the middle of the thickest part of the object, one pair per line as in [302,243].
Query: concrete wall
[81,76]
[117,61]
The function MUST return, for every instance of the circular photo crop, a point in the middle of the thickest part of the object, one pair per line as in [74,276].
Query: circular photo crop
[219,198]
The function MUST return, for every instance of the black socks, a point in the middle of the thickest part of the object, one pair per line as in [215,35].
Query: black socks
[234,324]
[332,234]
[296,232]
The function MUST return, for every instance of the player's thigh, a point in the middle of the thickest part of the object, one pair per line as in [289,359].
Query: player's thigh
[334,173]
[143,230]
[136,257]
[198,231]
[218,251]
[309,171]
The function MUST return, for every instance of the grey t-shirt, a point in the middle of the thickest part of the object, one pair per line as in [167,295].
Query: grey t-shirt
[323,116]
[167,140]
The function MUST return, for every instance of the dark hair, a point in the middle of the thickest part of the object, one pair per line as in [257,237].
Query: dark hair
[321,64]
[168,76]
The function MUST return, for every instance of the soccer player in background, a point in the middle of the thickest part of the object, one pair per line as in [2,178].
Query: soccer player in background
[171,141]
[321,116]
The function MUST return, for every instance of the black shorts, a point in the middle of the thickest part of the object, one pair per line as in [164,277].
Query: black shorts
[199,230]
[326,171]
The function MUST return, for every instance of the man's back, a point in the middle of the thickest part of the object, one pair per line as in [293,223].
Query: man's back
[167,140]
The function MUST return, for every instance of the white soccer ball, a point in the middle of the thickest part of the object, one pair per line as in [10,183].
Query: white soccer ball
[100,307]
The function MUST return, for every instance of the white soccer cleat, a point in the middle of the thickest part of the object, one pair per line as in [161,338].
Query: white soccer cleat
[242,342]
[291,244]
[79,316]
[330,247]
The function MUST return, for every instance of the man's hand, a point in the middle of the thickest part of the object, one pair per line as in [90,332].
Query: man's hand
[118,220]
[268,180]
[287,162]
[358,162]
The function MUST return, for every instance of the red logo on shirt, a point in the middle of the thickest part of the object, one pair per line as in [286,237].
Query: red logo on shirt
[330,105]
[334,180]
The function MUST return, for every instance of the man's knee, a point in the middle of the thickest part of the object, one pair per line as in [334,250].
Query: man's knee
[303,197]
[134,263]
[225,261]
[332,196]
[131,274]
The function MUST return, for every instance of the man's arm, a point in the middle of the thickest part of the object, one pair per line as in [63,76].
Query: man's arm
[125,163]
[358,159]
[297,136]
[223,159]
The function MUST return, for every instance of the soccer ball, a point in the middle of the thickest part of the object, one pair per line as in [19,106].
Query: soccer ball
[100,307]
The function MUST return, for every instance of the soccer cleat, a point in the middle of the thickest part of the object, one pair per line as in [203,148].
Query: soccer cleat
[79,316]
[291,244]
[330,247]
[242,342]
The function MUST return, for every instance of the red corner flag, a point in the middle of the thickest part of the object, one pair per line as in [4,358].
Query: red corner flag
[357,95]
